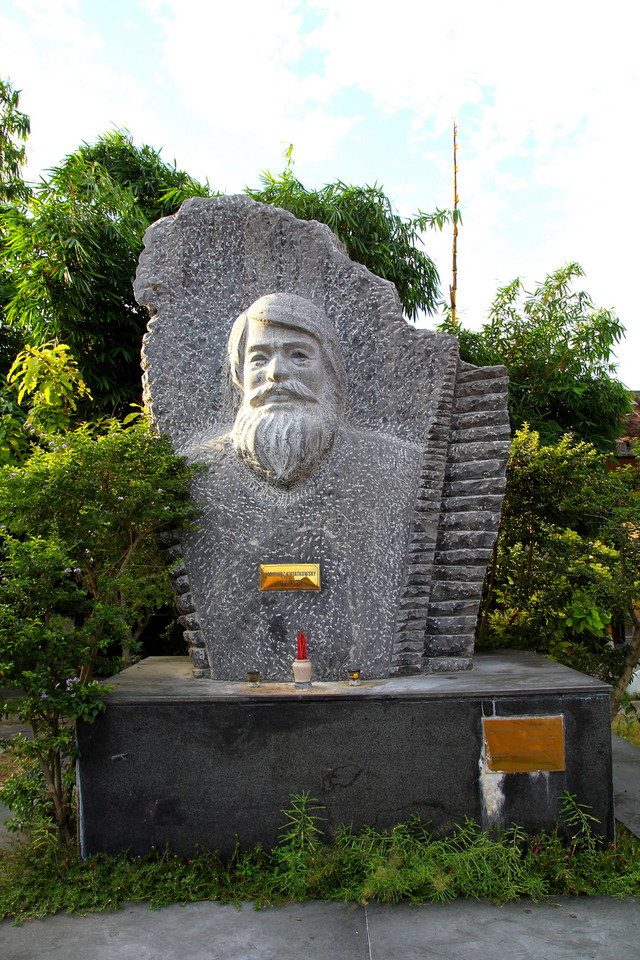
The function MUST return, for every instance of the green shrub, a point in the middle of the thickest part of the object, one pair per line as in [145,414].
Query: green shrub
[80,575]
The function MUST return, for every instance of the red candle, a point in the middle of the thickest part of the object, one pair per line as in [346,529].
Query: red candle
[302,646]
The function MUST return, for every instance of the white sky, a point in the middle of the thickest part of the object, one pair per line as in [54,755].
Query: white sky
[545,98]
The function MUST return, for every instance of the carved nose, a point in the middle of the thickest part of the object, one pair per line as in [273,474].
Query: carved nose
[276,369]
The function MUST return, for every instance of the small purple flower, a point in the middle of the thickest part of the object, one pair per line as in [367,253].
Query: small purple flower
[43,696]
[120,498]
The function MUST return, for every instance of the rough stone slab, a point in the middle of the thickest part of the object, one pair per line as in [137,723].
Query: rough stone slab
[469,373]
[469,520]
[450,607]
[447,559]
[475,469]
[172,553]
[473,487]
[472,539]
[437,625]
[477,451]
[480,418]
[189,621]
[471,434]
[452,589]
[451,573]
[482,388]
[488,501]
[180,584]
[457,644]
[434,663]
[185,603]
[474,403]
[199,659]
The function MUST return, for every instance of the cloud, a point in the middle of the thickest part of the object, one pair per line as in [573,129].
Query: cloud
[543,98]
[249,69]
[69,89]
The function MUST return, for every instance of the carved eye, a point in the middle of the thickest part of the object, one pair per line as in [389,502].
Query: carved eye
[257,359]
[299,356]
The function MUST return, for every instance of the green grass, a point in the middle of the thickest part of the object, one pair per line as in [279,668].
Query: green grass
[406,863]
[628,728]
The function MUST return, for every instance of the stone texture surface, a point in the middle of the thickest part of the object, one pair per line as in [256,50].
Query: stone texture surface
[399,513]
[191,762]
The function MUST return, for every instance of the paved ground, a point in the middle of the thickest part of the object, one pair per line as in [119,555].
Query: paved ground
[585,928]
[565,928]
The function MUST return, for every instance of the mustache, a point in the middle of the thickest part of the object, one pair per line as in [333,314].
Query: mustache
[292,388]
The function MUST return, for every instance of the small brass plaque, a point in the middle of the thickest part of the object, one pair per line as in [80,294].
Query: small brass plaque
[289,576]
[524,744]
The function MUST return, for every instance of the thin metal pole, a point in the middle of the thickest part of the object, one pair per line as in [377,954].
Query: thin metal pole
[454,286]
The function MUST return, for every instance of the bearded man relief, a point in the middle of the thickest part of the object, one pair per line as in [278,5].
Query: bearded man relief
[291,482]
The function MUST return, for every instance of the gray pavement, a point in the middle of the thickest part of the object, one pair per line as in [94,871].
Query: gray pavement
[584,928]
[626,784]
[564,928]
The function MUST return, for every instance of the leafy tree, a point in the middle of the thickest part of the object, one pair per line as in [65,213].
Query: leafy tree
[80,574]
[364,220]
[158,188]
[558,349]
[50,377]
[40,398]
[72,260]
[14,131]
[72,256]
[567,558]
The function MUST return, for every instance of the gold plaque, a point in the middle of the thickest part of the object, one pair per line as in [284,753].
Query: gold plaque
[289,576]
[524,744]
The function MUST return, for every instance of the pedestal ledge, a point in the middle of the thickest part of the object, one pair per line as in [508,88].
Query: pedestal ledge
[198,762]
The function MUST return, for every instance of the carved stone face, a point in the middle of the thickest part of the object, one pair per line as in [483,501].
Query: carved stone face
[282,367]
[288,418]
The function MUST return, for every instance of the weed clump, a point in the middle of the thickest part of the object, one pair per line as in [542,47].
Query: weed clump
[406,863]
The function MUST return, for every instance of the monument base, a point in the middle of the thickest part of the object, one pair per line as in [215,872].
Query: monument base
[200,762]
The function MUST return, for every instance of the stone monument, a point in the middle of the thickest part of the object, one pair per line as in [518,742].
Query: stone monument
[355,466]
[355,472]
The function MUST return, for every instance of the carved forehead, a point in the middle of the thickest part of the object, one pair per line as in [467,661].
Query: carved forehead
[261,334]
[292,311]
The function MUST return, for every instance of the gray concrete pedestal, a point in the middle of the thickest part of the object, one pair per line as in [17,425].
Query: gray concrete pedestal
[201,762]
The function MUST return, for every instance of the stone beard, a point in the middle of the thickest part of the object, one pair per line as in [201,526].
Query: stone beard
[284,444]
